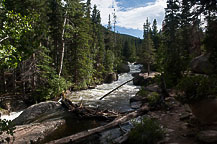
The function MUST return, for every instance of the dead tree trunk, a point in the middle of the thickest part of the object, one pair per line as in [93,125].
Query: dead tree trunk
[4,82]
[63,46]
[149,69]
[115,89]
[14,81]
[34,69]
[84,134]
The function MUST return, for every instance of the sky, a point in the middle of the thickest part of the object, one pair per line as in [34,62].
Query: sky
[131,14]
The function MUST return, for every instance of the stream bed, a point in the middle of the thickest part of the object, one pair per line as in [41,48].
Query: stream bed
[117,101]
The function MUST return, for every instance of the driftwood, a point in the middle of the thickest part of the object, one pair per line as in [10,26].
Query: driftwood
[115,89]
[85,112]
[81,135]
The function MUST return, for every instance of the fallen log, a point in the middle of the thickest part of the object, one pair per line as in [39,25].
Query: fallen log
[85,134]
[85,112]
[115,89]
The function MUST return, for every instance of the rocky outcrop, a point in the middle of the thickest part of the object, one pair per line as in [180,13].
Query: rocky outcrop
[123,68]
[205,110]
[135,74]
[202,65]
[111,77]
[207,136]
[31,133]
[139,80]
[153,88]
[38,112]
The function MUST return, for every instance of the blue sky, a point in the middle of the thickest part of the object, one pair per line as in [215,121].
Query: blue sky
[131,14]
[133,3]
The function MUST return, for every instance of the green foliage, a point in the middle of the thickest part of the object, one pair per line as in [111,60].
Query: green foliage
[53,88]
[109,61]
[148,131]
[6,126]
[11,32]
[32,38]
[153,99]
[196,88]
[142,92]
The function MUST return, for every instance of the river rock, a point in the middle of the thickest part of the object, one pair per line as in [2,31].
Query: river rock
[111,77]
[153,88]
[135,74]
[123,68]
[139,80]
[32,133]
[38,111]
[136,105]
[202,65]
[137,98]
[208,136]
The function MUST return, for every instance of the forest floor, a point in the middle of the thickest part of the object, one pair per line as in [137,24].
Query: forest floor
[180,126]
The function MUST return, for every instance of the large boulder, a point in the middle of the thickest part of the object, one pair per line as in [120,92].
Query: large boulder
[135,74]
[38,112]
[123,68]
[153,88]
[202,65]
[208,136]
[32,133]
[140,80]
[205,110]
[111,77]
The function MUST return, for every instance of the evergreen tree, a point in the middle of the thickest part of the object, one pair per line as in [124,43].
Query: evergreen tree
[78,37]
[172,63]
[98,44]
[155,36]
[126,50]
[148,47]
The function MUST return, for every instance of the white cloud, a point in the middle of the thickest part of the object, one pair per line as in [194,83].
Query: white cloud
[131,17]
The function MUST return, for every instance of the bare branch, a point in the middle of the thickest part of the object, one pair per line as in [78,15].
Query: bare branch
[4,39]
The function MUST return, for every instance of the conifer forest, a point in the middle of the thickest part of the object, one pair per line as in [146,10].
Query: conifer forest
[73,79]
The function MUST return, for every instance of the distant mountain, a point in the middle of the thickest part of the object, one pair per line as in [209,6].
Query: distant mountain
[133,32]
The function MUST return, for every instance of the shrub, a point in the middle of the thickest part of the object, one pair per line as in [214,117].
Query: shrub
[142,92]
[53,88]
[6,126]
[196,88]
[153,99]
[148,131]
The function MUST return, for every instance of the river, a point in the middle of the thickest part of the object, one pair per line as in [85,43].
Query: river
[117,101]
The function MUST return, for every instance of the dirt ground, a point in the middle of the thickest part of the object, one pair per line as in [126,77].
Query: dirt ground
[178,122]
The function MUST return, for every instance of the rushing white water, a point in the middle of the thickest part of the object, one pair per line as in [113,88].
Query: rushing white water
[118,100]
[11,116]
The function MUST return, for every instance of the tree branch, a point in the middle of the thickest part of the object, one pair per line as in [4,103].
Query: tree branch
[4,39]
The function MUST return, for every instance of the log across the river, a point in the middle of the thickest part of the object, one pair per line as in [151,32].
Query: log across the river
[84,134]
[115,89]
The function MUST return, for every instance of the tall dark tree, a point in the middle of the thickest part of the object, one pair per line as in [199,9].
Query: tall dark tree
[172,61]
[148,47]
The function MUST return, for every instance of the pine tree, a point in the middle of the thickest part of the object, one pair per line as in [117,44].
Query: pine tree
[148,48]
[172,63]
[154,35]
[78,37]
[98,44]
